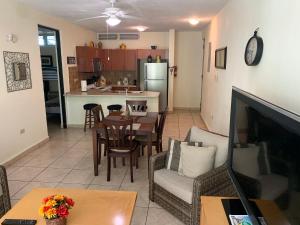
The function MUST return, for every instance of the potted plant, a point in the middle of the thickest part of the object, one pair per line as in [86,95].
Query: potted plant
[55,209]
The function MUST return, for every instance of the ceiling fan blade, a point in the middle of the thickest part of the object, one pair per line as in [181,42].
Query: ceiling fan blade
[91,18]
[130,17]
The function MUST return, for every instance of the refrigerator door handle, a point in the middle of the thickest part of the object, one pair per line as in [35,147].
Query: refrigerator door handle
[146,86]
[145,71]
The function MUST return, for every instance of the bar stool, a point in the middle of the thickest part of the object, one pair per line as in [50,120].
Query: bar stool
[89,115]
[114,108]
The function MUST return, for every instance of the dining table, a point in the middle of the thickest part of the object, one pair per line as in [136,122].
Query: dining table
[92,207]
[144,124]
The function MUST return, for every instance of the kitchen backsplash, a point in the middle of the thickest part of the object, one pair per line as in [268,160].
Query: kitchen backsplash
[114,76]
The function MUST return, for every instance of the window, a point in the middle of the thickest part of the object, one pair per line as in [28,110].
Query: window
[41,41]
[51,40]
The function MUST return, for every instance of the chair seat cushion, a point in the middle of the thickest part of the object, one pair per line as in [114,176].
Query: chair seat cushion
[180,186]
[114,107]
[120,150]
[89,106]
[143,138]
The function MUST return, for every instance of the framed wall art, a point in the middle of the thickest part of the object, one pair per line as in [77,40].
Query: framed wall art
[17,70]
[71,60]
[221,58]
[47,60]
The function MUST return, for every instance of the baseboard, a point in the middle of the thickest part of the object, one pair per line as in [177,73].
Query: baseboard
[76,126]
[187,108]
[25,152]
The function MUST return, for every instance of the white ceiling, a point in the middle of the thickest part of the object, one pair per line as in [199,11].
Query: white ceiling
[158,15]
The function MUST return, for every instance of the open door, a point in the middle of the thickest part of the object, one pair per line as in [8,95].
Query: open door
[49,41]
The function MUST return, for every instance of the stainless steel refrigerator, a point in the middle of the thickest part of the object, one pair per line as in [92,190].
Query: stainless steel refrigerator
[154,77]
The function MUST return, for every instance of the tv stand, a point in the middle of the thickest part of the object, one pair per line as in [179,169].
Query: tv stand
[212,212]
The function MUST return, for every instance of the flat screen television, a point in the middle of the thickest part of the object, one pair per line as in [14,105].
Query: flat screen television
[264,155]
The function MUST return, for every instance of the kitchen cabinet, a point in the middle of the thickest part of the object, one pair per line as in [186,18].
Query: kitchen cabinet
[130,60]
[103,56]
[85,56]
[117,59]
[114,59]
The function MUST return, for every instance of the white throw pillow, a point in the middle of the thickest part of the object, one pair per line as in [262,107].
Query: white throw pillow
[243,159]
[209,139]
[197,160]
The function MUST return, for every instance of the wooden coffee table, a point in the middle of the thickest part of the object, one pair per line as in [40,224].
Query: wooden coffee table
[92,207]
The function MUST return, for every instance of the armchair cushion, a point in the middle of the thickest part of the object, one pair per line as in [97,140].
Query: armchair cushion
[211,139]
[180,186]
[174,153]
[197,160]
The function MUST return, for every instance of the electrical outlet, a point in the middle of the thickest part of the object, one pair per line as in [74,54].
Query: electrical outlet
[211,116]
[22,131]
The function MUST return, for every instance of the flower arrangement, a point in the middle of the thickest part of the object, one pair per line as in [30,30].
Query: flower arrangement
[55,207]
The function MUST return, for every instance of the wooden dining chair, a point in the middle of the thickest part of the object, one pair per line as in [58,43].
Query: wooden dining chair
[120,143]
[98,117]
[156,137]
[5,204]
[136,105]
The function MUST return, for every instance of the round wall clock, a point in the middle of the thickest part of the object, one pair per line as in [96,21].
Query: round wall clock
[254,50]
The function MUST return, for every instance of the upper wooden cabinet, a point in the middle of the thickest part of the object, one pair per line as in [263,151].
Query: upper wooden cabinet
[103,55]
[117,59]
[130,60]
[114,59]
[85,56]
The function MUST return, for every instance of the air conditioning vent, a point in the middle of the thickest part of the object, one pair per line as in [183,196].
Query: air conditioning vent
[105,36]
[129,36]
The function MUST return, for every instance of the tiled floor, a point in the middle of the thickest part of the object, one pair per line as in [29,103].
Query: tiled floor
[66,161]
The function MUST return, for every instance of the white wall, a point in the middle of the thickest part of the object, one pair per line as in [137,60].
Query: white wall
[275,79]
[25,109]
[187,84]
[160,39]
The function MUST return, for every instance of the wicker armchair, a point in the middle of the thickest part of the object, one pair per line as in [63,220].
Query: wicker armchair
[4,193]
[213,183]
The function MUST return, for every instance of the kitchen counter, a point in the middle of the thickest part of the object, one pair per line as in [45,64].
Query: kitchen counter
[76,99]
[99,92]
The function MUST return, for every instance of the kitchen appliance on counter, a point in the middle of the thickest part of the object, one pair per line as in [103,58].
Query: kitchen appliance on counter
[154,77]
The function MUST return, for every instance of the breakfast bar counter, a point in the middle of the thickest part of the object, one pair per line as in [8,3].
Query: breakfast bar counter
[76,99]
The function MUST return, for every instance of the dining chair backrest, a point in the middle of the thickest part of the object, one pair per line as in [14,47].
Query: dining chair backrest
[98,114]
[118,132]
[5,204]
[136,105]
[161,124]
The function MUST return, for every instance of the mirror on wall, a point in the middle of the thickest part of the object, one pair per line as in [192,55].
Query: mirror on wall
[19,71]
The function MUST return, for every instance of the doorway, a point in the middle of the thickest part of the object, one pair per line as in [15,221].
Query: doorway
[53,84]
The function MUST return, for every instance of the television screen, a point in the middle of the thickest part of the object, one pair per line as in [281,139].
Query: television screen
[265,155]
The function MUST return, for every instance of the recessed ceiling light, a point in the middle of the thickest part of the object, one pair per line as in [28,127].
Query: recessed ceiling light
[141,28]
[194,21]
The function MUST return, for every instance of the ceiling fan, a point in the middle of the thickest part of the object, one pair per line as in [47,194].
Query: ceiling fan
[113,15]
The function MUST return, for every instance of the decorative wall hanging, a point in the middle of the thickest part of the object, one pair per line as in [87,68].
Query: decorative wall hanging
[71,60]
[47,60]
[254,50]
[220,58]
[17,69]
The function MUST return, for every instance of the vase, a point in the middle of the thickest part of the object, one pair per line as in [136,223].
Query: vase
[58,221]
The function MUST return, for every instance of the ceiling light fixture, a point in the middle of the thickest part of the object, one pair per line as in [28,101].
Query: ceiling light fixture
[141,28]
[113,21]
[194,21]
